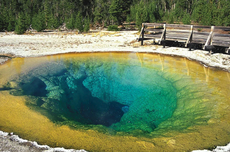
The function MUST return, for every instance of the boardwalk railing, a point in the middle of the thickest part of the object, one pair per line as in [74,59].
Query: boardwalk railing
[209,37]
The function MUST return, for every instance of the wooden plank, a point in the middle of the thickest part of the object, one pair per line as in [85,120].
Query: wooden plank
[221,40]
[153,36]
[199,41]
[199,38]
[155,33]
[221,44]
[178,26]
[145,39]
[201,27]
[224,28]
[182,26]
[178,32]
[201,33]
[195,36]
[152,29]
[176,38]
[222,35]
[153,24]
[155,28]
[177,35]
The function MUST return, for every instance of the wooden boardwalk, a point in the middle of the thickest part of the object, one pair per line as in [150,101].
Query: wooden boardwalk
[209,37]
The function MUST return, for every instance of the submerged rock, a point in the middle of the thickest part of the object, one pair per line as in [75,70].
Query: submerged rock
[125,109]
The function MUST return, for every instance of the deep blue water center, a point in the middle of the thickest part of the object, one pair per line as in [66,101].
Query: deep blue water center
[92,110]
[124,97]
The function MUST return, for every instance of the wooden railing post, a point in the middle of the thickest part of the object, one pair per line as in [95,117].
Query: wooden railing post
[210,37]
[154,42]
[163,36]
[142,33]
[189,40]
[228,50]
[141,36]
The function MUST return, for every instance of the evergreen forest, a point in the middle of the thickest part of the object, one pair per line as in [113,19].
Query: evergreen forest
[20,15]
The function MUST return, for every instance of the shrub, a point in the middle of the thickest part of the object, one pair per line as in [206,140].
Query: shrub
[199,29]
[113,28]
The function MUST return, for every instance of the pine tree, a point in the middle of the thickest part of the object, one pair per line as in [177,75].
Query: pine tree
[54,13]
[20,24]
[196,14]
[28,20]
[186,19]
[128,19]
[55,22]
[145,15]
[78,23]
[4,16]
[222,14]
[86,24]
[11,26]
[38,22]
[115,11]
[1,23]
[11,21]
[50,22]
[46,12]
[101,12]
[206,15]
[226,8]
[138,20]
[119,10]
[70,23]
[132,13]
[171,18]
[152,11]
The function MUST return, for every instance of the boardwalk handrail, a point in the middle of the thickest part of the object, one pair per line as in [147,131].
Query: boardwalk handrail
[187,34]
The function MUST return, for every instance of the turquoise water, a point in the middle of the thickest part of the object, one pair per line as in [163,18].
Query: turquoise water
[115,102]
[121,97]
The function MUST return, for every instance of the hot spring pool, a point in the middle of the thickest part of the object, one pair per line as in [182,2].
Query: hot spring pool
[115,102]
